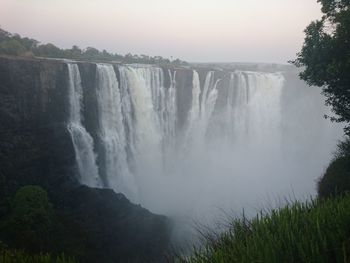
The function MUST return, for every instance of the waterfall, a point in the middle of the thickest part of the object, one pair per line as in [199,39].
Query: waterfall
[82,141]
[138,83]
[112,134]
[137,120]
[253,108]
[195,105]
[169,113]
[227,138]
[153,104]
[203,104]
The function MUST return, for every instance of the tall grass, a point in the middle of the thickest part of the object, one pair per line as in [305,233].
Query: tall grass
[316,231]
[18,256]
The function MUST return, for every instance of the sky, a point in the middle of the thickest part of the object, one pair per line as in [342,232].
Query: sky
[192,30]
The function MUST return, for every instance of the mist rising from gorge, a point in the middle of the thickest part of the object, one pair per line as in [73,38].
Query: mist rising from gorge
[189,143]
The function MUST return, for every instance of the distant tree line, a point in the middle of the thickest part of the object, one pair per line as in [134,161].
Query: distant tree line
[15,45]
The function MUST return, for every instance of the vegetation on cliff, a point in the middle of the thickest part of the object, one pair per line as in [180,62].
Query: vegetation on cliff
[15,45]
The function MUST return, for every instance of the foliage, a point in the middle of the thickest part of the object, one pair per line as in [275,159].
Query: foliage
[12,47]
[15,45]
[325,57]
[336,179]
[18,256]
[316,231]
[343,148]
[48,50]
[30,223]
[31,220]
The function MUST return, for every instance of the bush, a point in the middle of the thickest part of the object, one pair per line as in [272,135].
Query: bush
[31,220]
[336,180]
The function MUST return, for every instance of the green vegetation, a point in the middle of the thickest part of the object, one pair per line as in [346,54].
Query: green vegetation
[31,220]
[15,45]
[17,256]
[336,180]
[325,57]
[316,231]
[30,227]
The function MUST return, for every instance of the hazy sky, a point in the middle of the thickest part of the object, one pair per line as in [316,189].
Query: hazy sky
[193,30]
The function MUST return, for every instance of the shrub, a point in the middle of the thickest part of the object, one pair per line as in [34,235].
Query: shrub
[336,179]
[31,220]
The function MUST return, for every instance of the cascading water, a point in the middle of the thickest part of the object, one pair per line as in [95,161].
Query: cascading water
[253,108]
[229,152]
[168,114]
[141,84]
[82,141]
[111,133]
[203,104]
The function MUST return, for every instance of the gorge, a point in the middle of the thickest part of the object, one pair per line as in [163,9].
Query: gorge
[184,142]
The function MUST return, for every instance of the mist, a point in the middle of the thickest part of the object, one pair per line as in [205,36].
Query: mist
[198,142]
[251,140]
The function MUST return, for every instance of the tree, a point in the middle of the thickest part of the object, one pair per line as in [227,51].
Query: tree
[4,35]
[31,220]
[91,53]
[29,43]
[12,47]
[75,52]
[48,50]
[325,57]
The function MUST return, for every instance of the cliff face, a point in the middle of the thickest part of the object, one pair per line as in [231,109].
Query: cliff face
[33,110]
[35,148]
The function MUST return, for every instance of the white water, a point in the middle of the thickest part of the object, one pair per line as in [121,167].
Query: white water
[144,126]
[253,108]
[82,141]
[112,134]
[242,142]
[225,152]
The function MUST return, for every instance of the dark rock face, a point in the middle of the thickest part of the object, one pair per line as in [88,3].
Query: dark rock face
[33,110]
[36,148]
